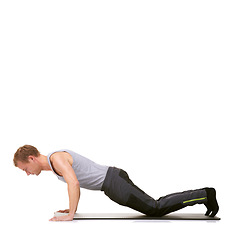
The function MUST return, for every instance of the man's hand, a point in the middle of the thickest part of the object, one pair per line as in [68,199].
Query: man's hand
[62,218]
[63,211]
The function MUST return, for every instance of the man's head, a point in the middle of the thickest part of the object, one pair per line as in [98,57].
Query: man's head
[27,159]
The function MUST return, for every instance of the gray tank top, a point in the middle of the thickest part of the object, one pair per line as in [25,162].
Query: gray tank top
[89,174]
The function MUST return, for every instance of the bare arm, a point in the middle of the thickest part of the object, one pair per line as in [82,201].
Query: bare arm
[64,168]
[74,196]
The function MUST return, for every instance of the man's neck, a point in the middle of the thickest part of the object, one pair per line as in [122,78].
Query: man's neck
[44,163]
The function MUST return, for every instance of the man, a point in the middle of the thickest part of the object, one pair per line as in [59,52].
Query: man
[78,171]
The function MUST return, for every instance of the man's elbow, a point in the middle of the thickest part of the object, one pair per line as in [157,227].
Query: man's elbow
[75,184]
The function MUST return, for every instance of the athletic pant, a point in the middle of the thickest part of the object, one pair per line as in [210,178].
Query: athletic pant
[118,187]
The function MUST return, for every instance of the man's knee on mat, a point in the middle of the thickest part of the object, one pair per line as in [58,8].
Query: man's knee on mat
[139,205]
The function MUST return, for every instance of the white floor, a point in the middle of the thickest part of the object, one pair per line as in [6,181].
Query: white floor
[37,226]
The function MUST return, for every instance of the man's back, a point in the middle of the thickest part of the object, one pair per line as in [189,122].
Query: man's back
[89,174]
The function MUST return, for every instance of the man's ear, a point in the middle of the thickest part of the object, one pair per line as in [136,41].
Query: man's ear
[31,158]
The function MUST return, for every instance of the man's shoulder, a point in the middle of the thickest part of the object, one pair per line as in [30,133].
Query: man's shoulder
[60,156]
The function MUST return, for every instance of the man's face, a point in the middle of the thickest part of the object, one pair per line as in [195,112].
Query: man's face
[31,168]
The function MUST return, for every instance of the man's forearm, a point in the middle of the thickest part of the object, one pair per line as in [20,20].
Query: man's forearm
[74,195]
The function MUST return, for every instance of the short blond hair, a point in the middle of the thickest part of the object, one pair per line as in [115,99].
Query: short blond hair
[24,152]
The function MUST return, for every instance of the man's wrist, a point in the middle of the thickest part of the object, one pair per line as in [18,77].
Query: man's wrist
[71,214]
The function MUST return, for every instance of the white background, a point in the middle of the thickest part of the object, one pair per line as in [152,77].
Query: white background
[148,86]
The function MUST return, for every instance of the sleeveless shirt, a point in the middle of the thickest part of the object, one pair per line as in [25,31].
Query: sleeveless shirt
[90,175]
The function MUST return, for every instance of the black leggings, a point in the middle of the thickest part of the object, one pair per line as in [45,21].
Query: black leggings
[118,187]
